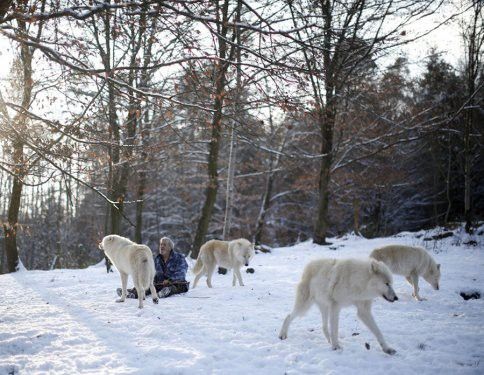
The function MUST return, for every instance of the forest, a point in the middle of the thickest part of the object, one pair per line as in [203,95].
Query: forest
[274,120]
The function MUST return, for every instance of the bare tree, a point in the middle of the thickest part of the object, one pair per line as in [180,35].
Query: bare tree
[474,39]
[20,124]
[335,49]
[221,67]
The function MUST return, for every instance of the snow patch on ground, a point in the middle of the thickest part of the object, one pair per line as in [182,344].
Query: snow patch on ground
[66,321]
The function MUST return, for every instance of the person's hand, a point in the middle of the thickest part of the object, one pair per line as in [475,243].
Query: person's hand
[165,282]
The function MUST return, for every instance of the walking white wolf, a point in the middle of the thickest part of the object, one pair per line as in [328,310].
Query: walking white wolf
[227,254]
[131,259]
[335,283]
[410,262]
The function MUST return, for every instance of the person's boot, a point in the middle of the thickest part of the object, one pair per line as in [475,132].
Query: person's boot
[130,293]
[165,292]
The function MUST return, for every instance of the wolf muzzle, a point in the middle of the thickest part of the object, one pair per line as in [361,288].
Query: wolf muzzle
[395,298]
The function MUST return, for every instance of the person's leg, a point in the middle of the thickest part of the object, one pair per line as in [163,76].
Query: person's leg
[172,289]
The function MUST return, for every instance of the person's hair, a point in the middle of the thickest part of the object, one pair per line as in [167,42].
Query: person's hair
[166,240]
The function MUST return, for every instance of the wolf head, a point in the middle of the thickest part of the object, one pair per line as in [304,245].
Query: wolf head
[432,276]
[105,242]
[245,251]
[382,280]
[109,241]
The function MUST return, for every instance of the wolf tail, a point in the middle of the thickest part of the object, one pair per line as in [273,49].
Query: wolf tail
[198,265]
[303,298]
[147,268]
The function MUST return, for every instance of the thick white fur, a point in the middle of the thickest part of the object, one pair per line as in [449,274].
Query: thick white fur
[332,284]
[227,254]
[410,262]
[131,259]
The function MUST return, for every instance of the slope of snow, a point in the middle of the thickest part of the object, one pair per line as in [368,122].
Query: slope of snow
[66,321]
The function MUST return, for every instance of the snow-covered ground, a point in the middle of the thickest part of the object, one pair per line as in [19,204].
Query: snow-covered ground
[66,321]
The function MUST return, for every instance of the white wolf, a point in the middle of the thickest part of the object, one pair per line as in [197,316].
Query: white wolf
[335,283]
[410,262]
[131,259]
[228,254]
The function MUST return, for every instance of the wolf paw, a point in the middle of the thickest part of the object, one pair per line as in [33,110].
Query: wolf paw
[283,336]
[390,351]
[418,298]
[336,347]
[120,300]
[155,300]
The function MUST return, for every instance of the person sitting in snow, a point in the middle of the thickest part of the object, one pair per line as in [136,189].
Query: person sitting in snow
[171,269]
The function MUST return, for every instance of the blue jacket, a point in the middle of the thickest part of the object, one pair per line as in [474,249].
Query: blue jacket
[175,269]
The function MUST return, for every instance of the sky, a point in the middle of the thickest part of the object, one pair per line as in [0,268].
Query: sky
[446,38]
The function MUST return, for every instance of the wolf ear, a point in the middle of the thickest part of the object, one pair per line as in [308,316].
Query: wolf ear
[374,267]
[438,267]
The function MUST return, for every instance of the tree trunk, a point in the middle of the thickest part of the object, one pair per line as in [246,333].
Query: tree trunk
[10,228]
[467,171]
[322,222]
[230,185]
[211,192]
[267,195]
[326,117]
[475,36]
[140,196]
[145,124]
[447,180]
[266,201]
[117,194]
[113,217]
[233,136]
[356,216]
[214,146]
[4,7]
[2,256]
[122,167]
[145,134]
[58,225]
[20,123]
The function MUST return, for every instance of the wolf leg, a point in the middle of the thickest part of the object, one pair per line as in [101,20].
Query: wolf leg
[153,293]
[414,278]
[302,304]
[286,324]
[124,284]
[409,280]
[141,293]
[365,315]
[334,310]
[210,270]
[239,276]
[198,276]
[324,317]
